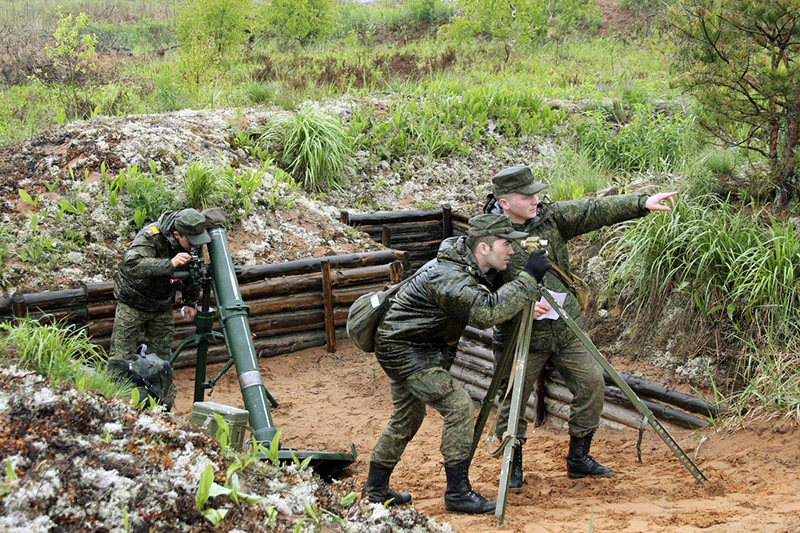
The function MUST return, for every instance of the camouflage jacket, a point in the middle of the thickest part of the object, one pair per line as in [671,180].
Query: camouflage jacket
[558,222]
[430,312]
[144,279]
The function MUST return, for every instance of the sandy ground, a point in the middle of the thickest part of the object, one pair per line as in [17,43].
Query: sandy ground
[326,401]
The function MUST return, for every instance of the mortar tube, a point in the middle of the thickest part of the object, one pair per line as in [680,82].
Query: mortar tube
[233,314]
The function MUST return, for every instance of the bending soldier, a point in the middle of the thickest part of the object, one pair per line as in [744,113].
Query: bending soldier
[417,338]
[144,288]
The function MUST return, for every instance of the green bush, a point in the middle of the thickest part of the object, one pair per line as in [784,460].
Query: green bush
[298,21]
[354,19]
[429,10]
[222,23]
[648,141]
[147,197]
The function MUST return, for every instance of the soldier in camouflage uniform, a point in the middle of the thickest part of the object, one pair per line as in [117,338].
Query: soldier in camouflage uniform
[144,288]
[515,193]
[416,341]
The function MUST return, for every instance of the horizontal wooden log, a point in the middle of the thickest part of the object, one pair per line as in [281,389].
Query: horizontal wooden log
[413,228]
[303,266]
[661,412]
[467,375]
[62,316]
[374,219]
[644,389]
[271,325]
[350,295]
[672,397]
[401,240]
[416,249]
[100,328]
[558,416]
[313,282]
[35,302]
[619,414]
[461,217]
[474,363]
[293,343]
[481,335]
[103,290]
[477,350]
[613,417]
[101,310]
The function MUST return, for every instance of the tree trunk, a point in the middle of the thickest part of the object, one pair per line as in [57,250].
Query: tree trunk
[787,178]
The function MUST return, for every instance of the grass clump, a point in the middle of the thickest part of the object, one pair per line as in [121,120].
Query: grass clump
[636,140]
[229,188]
[310,145]
[62,353]
[147,197]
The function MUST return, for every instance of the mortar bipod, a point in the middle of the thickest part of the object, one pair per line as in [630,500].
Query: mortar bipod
[233,313]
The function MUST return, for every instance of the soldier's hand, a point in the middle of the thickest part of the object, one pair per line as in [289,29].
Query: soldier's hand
[655,202]
[540,309]
[188,312]
[537,265]
[181,259]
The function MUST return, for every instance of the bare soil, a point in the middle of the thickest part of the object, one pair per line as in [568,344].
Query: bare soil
[328,400]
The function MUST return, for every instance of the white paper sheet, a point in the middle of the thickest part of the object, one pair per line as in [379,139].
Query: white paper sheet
[559,298]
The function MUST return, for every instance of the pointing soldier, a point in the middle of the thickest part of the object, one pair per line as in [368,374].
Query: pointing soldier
[515,193]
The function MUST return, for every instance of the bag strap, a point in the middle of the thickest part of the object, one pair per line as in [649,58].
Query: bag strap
[564,277]
[426,266]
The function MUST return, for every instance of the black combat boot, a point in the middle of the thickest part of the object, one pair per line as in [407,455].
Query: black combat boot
[459,496]
[515,479]
[377,487]
[580,463]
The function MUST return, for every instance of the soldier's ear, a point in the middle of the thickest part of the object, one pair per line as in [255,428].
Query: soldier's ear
[483,248]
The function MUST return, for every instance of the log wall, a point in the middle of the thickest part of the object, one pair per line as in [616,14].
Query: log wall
[417,232]
[293,305]
[302,304]
[474,365]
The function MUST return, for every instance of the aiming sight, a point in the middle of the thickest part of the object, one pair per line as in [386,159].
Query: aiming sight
[532,244]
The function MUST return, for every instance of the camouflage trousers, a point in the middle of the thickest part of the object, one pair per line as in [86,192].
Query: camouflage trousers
[436,388]
[158,329]
[129,323]
[584,379]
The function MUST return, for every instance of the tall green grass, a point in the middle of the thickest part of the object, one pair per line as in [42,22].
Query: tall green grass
[64,354]
[448,115]
[640,140]
[740,272]
[227,187]
[40,15]
[743,275]
[571,175]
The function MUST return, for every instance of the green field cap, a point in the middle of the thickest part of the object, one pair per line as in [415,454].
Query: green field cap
[499,225]
[515,179]
[192,224]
